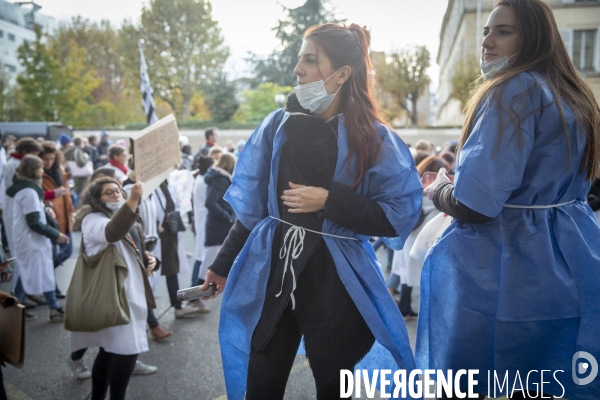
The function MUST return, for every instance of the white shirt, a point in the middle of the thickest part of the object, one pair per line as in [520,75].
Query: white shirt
[200,213]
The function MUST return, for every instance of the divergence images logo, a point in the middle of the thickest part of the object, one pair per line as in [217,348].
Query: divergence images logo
[584,368]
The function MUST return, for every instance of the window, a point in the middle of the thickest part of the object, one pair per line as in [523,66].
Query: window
[11,37]
[1,33]
[11,68]
[584,45]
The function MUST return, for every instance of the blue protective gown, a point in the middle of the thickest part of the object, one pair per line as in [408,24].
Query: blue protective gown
[393,182]
[521,292]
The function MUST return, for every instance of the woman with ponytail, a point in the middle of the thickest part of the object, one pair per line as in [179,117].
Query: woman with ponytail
[512,285]
[313,183]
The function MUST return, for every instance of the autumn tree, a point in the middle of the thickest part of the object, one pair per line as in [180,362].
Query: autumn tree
[403,74]
[183,48]
[278,67]
[464,79]
[50,90]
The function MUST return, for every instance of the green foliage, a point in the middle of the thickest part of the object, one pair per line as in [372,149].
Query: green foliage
[220,99]
[42,83]
[404,76]
[278,67]
[260,102]
[183,48]
[464,79]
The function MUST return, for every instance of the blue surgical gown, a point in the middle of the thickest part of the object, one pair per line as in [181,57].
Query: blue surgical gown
[393,183]
[521,292]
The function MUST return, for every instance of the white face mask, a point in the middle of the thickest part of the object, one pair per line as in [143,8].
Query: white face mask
[491,69]
[115,205]
[314,97]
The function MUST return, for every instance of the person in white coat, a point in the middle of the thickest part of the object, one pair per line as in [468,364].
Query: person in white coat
[147,215]
[32,237]
[405,269]
[170,248]
[200,211]
[106,218]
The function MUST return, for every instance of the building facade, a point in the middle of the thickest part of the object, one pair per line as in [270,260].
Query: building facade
[17,23]
[462,33]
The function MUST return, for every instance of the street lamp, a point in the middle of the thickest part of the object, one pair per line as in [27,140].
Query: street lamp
[279,99]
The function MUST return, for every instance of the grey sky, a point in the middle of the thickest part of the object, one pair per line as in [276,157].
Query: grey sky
[246,24]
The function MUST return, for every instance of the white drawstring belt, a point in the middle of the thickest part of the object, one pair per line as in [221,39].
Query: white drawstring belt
[291,251]
[538,207]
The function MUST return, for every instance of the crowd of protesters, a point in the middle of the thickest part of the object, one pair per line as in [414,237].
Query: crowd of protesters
[51,189]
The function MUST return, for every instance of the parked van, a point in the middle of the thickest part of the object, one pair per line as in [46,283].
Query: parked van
[47,130]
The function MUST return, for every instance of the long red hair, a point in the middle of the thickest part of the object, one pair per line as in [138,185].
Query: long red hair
[349,45]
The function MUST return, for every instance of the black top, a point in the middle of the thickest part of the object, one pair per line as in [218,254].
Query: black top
[444,200]
[308,157]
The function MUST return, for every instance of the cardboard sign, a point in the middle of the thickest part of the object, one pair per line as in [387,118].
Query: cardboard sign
[155,153]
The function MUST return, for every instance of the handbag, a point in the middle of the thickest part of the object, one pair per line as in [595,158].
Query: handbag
[96,297]
[80,172]
[12,335]
[173,222]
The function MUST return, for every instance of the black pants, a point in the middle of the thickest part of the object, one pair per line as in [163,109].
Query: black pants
[2,391]
[173,287]
[112,370]
[268,370]
[152,321]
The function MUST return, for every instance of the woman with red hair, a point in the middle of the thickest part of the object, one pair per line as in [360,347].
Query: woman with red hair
[314,183]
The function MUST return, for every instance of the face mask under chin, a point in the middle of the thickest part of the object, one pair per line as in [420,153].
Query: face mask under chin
[493,68]
[313,96]
[114,206]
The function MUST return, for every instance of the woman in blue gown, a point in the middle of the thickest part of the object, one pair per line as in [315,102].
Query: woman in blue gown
[313,183]
[512,286]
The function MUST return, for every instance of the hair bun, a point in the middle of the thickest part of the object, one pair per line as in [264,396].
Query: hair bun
[361,33]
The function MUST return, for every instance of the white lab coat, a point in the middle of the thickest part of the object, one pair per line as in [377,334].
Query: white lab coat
[122,339]
[147,212]
[403,264]
[34,251]
[159,198]
[200,213]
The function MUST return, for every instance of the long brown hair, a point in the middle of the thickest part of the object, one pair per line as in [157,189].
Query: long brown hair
[349,45]
[49,147]
[541,49]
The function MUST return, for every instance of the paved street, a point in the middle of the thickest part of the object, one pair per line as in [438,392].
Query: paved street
[189,362]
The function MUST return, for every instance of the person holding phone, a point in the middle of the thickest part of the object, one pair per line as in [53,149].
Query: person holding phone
[512,285]
[314,183]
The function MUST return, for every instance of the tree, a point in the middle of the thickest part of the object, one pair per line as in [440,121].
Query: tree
[279,65]
[220,99]
[50,91]
[260,102]
[100,42]
[404,75]
[42,82]
[464,78]
[183,47]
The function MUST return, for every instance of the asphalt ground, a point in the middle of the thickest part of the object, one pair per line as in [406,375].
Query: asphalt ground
[189,362]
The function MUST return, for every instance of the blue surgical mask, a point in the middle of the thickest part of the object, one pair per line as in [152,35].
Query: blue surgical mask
[314,97]
[491,69]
